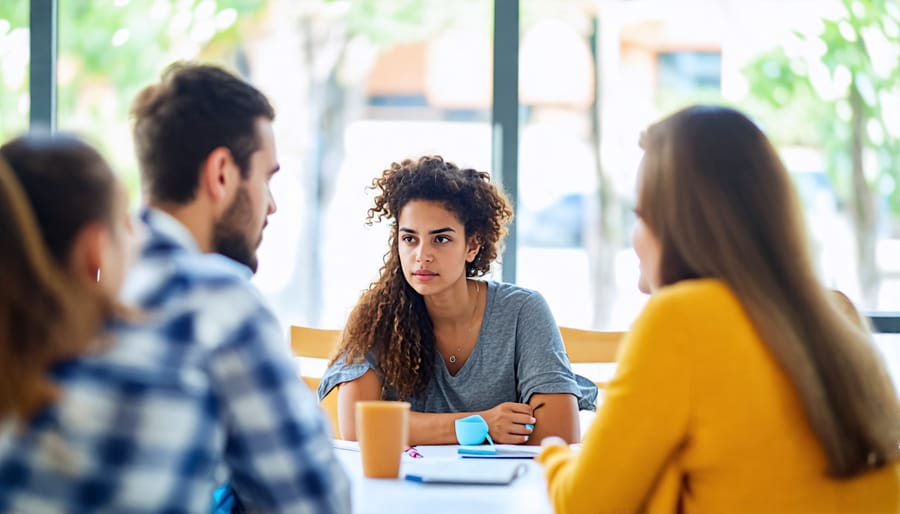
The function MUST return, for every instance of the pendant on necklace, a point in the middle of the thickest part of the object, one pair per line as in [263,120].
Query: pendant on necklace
[452,359]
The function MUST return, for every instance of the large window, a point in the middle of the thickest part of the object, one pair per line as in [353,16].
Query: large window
[790,65]
[14,59]
[108,51]
[359,84]
[356,86]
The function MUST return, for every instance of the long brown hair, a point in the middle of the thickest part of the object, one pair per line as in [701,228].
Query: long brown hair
[50,188]
[722,205]
[390,320]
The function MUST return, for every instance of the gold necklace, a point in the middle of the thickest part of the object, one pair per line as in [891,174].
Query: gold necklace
[452,358]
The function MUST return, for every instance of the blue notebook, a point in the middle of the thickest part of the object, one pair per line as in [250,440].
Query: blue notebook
[499,451]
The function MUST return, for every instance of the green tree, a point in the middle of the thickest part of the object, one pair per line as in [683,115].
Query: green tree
[832,96]
[108,52]
[13,68]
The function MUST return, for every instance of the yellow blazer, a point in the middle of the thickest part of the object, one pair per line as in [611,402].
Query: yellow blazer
[700,418]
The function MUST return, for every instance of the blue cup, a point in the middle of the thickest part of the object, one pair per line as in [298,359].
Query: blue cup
[471,430]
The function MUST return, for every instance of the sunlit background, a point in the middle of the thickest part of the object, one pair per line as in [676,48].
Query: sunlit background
[359,84]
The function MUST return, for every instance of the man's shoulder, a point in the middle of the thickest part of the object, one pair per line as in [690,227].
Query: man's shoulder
[170,262]
[212,269]
[153,279]
[200,300]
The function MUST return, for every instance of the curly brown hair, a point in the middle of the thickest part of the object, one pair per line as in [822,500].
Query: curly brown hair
[390,322]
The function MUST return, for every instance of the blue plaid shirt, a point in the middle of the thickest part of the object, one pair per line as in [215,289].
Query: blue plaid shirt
[200,389]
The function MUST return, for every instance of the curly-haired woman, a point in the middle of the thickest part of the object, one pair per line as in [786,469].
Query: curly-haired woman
[428,331]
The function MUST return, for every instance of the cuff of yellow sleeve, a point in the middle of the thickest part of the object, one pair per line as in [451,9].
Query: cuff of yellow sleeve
[552,456]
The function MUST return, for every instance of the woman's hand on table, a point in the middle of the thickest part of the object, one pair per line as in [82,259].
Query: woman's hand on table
[506,422]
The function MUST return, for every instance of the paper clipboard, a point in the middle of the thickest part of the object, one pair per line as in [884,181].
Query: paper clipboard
[464,472]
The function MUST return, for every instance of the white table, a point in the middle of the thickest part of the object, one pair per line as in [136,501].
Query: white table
[527,494]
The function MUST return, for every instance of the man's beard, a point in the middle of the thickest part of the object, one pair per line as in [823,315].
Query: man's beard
[230,232]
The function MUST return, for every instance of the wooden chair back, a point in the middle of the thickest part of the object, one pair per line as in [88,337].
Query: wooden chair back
[582,346]
[591,346]
[588,346]
[317,343]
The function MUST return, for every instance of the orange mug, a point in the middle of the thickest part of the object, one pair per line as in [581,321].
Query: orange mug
[382,428]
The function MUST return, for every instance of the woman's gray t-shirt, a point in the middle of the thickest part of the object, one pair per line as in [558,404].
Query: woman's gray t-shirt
[519,353]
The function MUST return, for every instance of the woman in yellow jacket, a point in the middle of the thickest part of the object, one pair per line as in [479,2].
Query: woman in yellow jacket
[743,386]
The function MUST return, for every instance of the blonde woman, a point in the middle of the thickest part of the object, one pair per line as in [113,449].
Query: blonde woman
[744,385]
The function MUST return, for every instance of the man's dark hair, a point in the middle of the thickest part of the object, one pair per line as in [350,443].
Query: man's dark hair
[193,110]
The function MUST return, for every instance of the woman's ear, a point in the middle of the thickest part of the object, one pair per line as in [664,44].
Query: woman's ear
[474,246]
[86,253]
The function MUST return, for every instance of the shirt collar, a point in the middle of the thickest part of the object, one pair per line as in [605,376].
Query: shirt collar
[166,231]
[167,234]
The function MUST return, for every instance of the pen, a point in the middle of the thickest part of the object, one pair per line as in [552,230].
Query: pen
[412,452]
[529,425]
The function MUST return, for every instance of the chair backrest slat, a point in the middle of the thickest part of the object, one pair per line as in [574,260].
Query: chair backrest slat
[590,346]
[317,343]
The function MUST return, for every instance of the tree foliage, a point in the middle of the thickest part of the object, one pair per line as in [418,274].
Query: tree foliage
[833,89]
[808,91]
[108,51]
[13,72]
